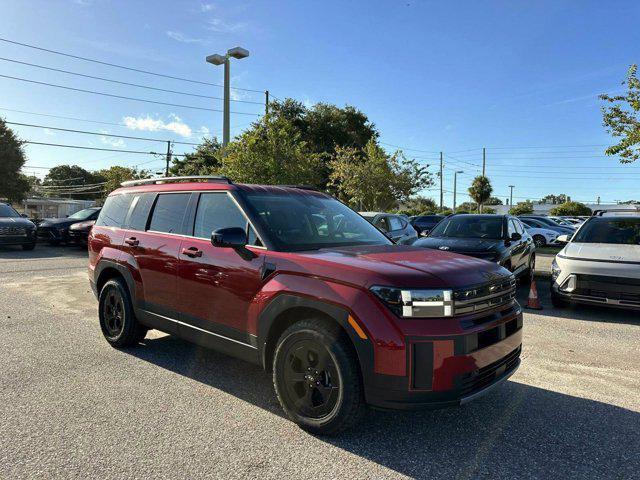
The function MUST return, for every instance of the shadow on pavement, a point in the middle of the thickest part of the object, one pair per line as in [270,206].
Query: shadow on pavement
[516,431]
[15,252]
[592,313]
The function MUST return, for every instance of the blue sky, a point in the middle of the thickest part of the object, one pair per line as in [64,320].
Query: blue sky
[433,76]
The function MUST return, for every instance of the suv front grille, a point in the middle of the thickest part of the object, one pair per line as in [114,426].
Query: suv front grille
[484,376]
[625,290]
[484,297]
[13,231]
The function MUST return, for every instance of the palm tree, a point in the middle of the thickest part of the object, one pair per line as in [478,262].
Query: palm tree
[480,190]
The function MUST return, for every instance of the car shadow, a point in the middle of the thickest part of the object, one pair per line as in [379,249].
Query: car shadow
[15,252]
[516,431]
[591,313]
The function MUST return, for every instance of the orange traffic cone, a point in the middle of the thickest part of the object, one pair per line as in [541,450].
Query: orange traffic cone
[533,302]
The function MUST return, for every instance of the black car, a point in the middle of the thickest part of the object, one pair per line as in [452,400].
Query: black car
[497,238]
[424,223]
[56,230]
[396,227]
[15,229]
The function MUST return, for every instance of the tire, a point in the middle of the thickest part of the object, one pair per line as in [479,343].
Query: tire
[317,379]
[28,246]
[117,320]
[539,241]
[558,302]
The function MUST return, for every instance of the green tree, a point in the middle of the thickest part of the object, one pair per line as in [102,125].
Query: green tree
[570,209]
[115,175]
[466,207]
[206,160]
[14,186]
[556,199]
[418,206]
[480,190]
[522,208]
[68,181]
[370,179]
[493,201]
[621,118]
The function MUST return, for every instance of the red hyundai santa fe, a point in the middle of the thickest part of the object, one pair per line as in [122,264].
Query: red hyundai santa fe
[293,280]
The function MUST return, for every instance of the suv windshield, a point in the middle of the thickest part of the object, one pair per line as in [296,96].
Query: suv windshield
[8,211]
[310,221]
[548,221]
[473,226]
[82,214]
[617,231]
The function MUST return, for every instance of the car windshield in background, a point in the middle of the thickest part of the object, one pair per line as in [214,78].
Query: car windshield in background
[7,211]
[82,214]
[473,226]
[310,222]
[616,231]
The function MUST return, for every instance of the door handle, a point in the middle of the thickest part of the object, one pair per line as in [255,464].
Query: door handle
[192,252]
[133,241]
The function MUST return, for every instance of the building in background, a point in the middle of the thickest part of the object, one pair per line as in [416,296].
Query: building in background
[543,208]
[38,208]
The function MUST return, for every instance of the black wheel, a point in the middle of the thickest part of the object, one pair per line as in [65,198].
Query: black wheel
[317,379]
[117,321]
[539,241]
[28,246]
[558,301]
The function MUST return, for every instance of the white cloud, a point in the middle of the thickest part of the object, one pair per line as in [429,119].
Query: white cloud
[148,124]
[49,132]
[207,7]
[204,131]
[112,142]
[220,26]
[181,37]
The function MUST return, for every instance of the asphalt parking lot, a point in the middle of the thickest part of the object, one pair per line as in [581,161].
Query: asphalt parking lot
[73,407]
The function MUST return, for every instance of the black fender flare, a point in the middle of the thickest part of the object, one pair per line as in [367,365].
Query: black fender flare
[122,270]
[287,301]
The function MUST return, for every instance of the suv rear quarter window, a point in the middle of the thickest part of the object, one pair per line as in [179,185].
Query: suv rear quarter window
[169,212]
[114,211]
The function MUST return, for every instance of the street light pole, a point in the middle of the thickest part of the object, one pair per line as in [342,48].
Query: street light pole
[455,185]
[511,195]
[216,59]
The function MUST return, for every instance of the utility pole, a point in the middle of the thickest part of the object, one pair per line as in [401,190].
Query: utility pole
[511,195]
[266,102]
[484,160]
[166,170]
[455,184]
[441,180]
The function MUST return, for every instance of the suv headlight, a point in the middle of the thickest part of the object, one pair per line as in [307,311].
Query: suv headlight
[416,303]
[555,270]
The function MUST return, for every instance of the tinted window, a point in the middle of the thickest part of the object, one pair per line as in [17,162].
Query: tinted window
[114,210]
[469,226]
[512,227]
[8,211]
[310,221]
[86,214]
[395,223]
[168,213]
[616,231]
[383,224]
[217,210]
[519,227]
[140,207]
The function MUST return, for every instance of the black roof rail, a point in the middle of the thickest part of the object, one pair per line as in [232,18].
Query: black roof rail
[599,213]
[194,178]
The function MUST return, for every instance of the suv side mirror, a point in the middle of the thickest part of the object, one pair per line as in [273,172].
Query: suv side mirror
[233,237]
[563,238]
[516,236]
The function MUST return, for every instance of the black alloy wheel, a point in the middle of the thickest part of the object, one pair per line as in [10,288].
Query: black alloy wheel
[113,312]
[539,241]
[118,322]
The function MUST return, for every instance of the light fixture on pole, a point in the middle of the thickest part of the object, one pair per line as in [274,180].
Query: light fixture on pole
[455,184]
[511,195]
[216,59]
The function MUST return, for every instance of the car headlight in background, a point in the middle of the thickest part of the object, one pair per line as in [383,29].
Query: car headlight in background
[416,303]
[555,270]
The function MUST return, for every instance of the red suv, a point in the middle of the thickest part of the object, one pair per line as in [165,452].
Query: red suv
[295,281]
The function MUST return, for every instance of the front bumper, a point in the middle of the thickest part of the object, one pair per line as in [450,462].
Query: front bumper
[25,239]
[52,234]
[78,236]
[613,292]
[454,370]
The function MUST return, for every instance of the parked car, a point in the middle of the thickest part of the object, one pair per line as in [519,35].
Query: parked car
[424,223]
[56,230]
[542,236]
[396,227]
[599,265]
[15,229]
[498,238]
[544,222]
[332,307]
[79,232]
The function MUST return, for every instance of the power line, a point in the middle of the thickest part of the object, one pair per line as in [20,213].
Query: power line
[122,96]
[77,57]
[405,148]
[97,148]
[148,87]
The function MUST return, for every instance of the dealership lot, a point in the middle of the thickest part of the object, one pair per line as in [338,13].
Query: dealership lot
[72,406]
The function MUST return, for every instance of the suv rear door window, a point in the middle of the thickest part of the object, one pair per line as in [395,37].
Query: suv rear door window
[114,211]
[168,213]
[383,224]
[140,207]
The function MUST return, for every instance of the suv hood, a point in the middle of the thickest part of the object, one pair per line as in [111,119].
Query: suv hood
[58,222]
[460,244]
[16,222]
[401,266]
[602,252]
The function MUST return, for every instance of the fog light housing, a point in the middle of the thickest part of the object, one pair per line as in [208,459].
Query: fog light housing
[570,284]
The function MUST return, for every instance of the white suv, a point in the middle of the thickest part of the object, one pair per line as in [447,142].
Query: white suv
[600,264]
